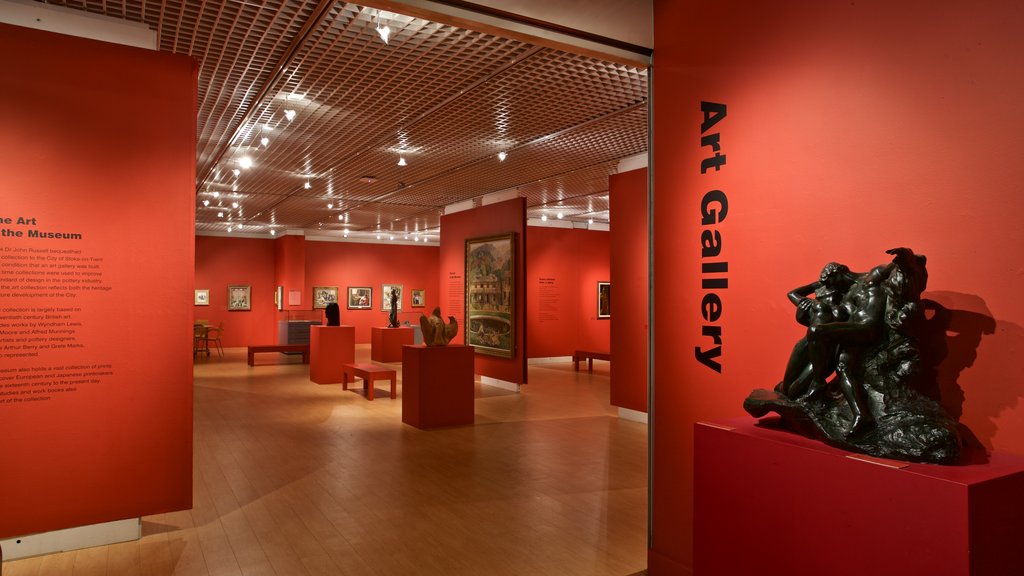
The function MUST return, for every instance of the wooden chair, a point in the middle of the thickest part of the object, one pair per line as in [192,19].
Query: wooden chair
[213,335]
[200,343]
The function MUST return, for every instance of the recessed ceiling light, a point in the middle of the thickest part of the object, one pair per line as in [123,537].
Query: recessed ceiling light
[560,215]
[289,114]
[245,162]
[590,221]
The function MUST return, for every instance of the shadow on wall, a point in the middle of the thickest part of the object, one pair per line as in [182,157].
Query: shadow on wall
[956,326]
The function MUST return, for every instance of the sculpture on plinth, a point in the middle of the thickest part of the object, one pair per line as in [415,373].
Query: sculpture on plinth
[435,331]
[393,317]
[333,314]
[853,379]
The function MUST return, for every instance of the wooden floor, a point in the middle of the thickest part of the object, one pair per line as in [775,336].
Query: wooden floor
[297,478]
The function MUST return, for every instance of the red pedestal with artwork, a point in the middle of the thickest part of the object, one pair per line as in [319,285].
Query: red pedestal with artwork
[330,348]
[767,501]
[386,343]
[437,385]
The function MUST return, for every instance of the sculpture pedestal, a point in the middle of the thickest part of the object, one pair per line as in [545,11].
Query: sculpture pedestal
[767,501]
[330,348]
[437,385]
[386,343]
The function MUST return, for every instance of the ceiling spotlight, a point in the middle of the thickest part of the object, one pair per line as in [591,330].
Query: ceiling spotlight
[330,205]
[273,232]
[502,155]
[265,141]
[345,234]
[307,185]
[294,96]
[289,114]
[216,194]
[236,171]
[378,236]
[590,221]
[234,204]
[544,217]
[220,214]
[384,31]
[206,202]
[245,162]
[239,226]
[401,161]
[229,228]
[560,215]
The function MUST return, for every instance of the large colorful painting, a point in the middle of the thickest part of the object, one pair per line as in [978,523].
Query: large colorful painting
[239,297]
[490,294]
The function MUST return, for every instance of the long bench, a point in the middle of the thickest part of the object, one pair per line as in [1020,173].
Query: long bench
[369,373]
[588,355]
[303,348]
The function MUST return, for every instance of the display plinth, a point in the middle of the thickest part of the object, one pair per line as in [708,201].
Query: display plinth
[386,343]
[437,385]
[330,348]
[767,501]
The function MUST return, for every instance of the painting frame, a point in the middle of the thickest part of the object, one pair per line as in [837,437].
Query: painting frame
[360,297]
[239,297]
[324,295]
[202,297]
[279,297]
[417,298]
[490,291]
[385,297]
[604,300]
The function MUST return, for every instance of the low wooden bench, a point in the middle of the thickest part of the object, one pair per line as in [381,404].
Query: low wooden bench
[369,373]
[303,348]
[581,355]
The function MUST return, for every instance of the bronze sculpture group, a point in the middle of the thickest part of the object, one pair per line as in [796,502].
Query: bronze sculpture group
[851,380]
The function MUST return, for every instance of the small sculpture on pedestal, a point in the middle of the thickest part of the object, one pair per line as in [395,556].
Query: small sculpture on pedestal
[852,379]
[393,317]
[435,331]
[333,314]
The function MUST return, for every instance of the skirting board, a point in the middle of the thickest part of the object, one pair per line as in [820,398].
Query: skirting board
[499,383]
[550,360]
[72,538]
[633,415]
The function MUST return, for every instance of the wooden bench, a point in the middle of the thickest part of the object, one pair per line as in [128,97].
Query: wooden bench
[303,348]
[369,373]
[581,355]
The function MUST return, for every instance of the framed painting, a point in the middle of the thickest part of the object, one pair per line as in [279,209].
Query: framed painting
[385,300]
[239,297]
[490,294]
[279,297]
[360,297]
[324,295]
[202,297]
[417,298]
[604,300]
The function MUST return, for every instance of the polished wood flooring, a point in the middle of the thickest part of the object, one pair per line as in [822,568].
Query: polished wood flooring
[295,478]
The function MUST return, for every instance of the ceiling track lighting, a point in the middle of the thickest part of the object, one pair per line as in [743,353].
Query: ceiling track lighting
[383,31]
[401,161]
[502,155]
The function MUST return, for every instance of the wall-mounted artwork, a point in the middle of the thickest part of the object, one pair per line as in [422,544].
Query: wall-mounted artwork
[279,297]
[385,302]
[604,300]
[324,295]
[202,297]
[360,297]
[417,297]
[490,294]
[239,297]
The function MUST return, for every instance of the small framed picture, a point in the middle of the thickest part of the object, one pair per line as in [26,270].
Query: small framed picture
[239,297]
[324,295]
[279,297]
[203,297]
[387,291]
[417,298]
[360,297]
[604,300]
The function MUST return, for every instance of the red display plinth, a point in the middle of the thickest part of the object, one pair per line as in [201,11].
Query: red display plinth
[437,385]
[767,501]
[386,343]
[330,348]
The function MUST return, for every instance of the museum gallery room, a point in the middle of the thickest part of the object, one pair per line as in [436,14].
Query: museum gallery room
[304,288]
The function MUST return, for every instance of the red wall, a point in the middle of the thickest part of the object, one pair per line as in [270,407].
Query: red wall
[344,264]
[97,427]
[223,261]
[565,265]
[628,196]
[494,219]
[851,128]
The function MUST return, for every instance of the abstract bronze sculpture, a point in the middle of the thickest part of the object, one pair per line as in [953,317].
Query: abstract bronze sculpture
[852,380]
[435,332]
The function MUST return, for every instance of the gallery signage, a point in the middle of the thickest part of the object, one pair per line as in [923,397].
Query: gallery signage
[714,207]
